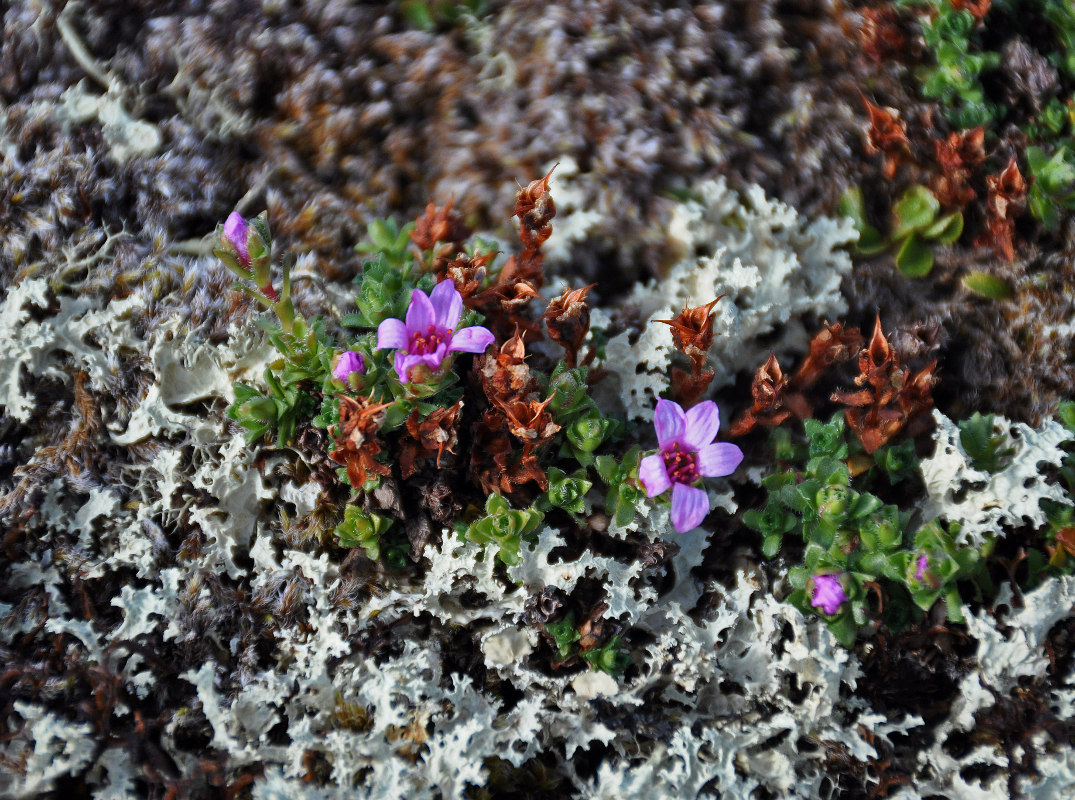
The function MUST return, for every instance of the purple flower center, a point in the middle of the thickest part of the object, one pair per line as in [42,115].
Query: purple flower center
[421,344]
[682,465]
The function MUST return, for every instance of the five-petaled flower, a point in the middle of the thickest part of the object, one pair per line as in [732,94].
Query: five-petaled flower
[828,593]
[428,335]
[348,363]
[687,454]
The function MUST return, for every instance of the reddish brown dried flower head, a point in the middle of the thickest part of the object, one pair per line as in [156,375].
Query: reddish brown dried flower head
[439,225]
[567,319]
[505,375]
[534,206]
[1006,202]
[880,33]
[356,443]
[891,397]
[977,8]
[530,421]
[773,404]
[833,344]
[430,436]
[957,156]
[468,274]
[692,331]
[887,135]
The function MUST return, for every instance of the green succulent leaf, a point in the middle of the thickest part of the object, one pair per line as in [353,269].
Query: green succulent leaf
[915,210]
[987,285]
[914,257]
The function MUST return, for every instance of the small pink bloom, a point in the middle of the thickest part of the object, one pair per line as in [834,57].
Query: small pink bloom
[346,364]
[828,593]
[687,453]
[428,334]
[236,230]
[923,565]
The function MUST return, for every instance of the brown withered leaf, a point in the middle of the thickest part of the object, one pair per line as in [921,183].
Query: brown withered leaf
[1006,202]
[428,437]
[567,318]
[887,135]
[1065,538]
[688,387]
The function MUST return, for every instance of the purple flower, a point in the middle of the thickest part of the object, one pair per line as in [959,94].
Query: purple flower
[687,454]
[923,565]
[429,335]
[346,364]
[828,593]
[236,230]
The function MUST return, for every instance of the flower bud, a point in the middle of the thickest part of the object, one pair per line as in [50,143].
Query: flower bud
[347,364]
[234,237]
[260,408]
[587,433]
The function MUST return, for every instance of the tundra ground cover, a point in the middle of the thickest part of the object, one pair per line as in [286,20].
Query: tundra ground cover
[391,516]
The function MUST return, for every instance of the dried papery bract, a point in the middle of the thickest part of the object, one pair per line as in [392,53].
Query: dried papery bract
[1006,202]
[887,135]
[772,402]
[355,437]
[567,319]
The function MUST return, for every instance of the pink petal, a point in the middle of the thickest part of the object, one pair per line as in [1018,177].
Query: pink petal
[472,340]
[392,334]
[653,475]
[703,422]
[689,507]
[447,303]
[420,313]
[669,421]
[236,230]
[718,460]
[403,363]
[346,364]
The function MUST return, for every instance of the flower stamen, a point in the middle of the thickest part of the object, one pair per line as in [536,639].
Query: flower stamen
[682,465]
[421,344]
